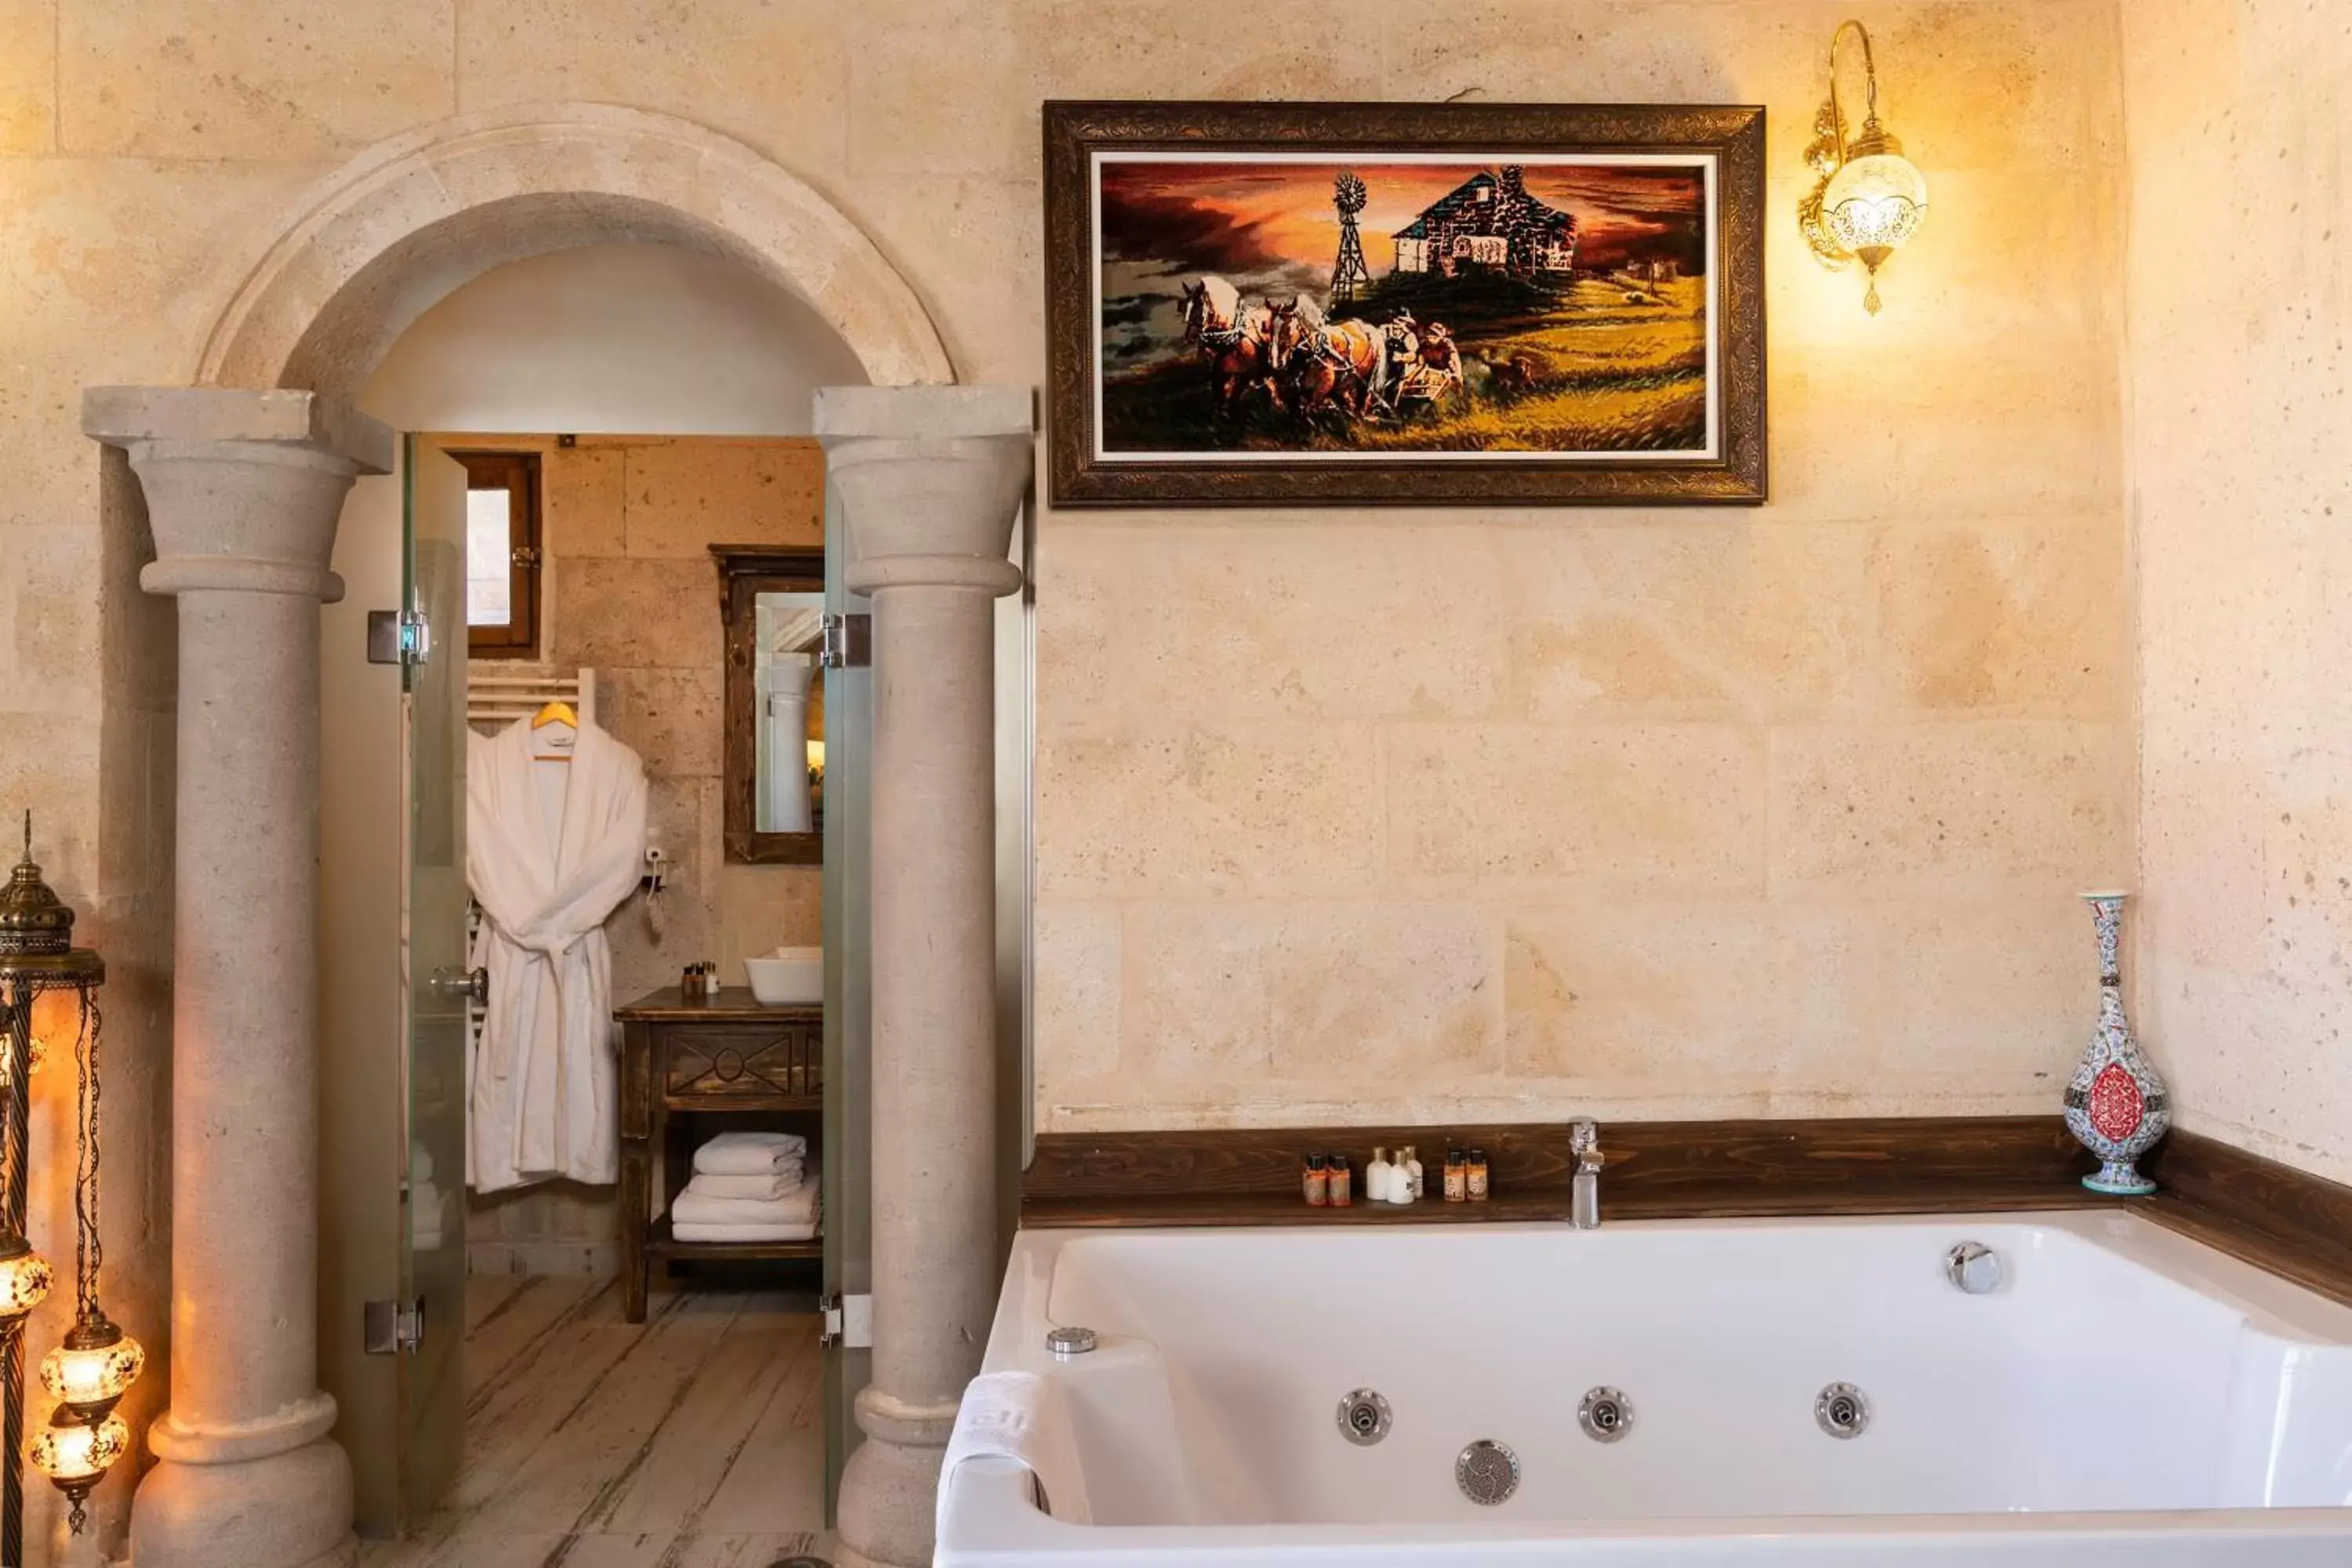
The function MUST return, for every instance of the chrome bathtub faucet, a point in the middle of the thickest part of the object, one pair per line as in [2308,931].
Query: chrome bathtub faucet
[1584,1192]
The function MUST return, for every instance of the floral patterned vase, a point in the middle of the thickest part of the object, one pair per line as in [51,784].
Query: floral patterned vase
[2116,1104]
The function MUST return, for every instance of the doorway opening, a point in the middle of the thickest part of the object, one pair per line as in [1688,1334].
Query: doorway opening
[593,1367]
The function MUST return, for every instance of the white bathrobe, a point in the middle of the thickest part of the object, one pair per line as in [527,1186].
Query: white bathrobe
[542,1084]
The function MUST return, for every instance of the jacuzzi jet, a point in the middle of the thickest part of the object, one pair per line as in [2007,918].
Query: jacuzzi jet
[1488,1472]
[1843,1410]
[1606,1415]
[1364,1418]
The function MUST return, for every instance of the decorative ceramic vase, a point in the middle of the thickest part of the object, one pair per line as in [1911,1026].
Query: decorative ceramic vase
[2116,1104]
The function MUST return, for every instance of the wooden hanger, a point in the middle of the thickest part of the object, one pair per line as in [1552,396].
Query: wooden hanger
[554,713]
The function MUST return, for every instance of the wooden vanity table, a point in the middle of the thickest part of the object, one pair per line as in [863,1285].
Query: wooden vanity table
[691,1068]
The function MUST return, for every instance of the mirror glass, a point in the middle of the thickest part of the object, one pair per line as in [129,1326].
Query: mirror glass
[788,711]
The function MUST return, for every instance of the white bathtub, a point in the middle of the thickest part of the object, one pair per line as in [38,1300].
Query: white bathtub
[2127,1396]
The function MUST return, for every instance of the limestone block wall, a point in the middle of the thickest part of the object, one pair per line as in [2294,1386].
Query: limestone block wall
[1516,814]
[631,591]
[2240,497]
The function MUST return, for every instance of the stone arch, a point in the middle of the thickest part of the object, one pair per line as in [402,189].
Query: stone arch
[380,240]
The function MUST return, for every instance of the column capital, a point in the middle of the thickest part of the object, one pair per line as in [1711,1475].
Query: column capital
[279,417]
[930,479]
[244,488]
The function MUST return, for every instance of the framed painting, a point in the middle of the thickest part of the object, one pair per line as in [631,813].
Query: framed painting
[1259,304]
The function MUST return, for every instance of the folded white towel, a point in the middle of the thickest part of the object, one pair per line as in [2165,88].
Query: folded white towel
[772,1184]
[749,1153]
[796,1208]
[1021,1416]
[685,1230]
[429,1211]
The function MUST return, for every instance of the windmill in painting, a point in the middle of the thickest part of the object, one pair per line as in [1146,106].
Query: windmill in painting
[1350,276]
[1526,305]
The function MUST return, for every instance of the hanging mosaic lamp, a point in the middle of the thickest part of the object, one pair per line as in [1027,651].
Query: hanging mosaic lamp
[25,1277]
[44,975]
[76,1454]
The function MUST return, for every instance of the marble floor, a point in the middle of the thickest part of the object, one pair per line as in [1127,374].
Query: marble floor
[694,1440]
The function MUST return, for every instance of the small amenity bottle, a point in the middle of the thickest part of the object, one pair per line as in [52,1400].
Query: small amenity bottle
[1376,1177]
[1341,1184]
[1316,1182]
[1457,1178]
[1411,1175]
[1477,1175]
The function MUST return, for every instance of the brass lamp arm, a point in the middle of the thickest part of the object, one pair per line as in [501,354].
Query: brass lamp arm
[1870,83]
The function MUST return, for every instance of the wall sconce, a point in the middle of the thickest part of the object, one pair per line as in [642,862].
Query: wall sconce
[41,971]
[1870,198]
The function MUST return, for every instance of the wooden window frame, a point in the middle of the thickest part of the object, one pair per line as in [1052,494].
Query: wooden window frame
[745,572]
[518,474]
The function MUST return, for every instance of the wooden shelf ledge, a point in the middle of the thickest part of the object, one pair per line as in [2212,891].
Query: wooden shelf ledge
[2292,1223]
[661,1243]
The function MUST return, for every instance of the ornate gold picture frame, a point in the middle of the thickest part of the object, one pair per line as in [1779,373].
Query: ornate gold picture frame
[1258,304]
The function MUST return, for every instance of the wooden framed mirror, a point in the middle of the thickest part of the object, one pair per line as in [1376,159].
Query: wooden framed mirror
[771,598]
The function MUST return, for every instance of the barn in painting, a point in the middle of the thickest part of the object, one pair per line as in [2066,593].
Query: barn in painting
[1490,222]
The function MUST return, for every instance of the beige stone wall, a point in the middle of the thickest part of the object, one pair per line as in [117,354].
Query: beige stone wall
[2240,302]
[630,590]
[1645,813]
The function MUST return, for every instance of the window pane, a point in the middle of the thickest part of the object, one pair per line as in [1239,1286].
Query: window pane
[489,559]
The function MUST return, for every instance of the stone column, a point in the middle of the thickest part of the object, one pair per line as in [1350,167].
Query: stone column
[930,479]
[244,491]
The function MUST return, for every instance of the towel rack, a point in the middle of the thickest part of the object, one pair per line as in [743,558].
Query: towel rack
[501,699]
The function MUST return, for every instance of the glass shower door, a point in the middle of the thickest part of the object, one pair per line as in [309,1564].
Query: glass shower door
[437,981]
[848,1014]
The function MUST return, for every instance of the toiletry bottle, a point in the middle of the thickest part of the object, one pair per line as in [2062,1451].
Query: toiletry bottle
[1411,1175]
[1457,1178]
[1316,1182]
[1477,1175]
[1376,1177]
[1342,1183]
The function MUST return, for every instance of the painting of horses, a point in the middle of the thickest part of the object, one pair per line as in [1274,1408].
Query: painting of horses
[1428,302]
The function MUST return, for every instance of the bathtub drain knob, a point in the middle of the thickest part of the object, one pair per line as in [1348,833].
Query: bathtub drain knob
[1067,1342]
[1974,1267]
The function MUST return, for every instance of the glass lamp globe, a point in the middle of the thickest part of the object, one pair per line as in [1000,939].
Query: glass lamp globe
[36,1051]
[93,1369]
[25,1277]
[76,1454]
[1875,201]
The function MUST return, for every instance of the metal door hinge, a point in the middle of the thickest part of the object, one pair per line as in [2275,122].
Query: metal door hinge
[398,636]
[390,1327]
[525,555]
[848,642]
[848,1321]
